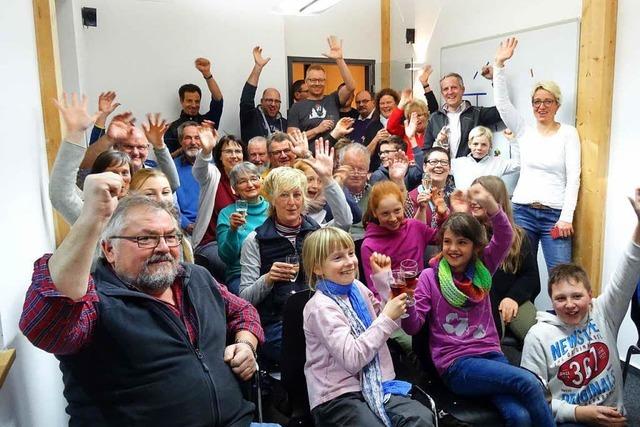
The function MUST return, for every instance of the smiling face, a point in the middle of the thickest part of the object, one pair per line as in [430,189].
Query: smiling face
[315,80]
[479,146]
[314,187]
[357,177]
[231,155]
[438,167]
[281,154]
[191,103]
[387,151]
[340,266]
[571,301]
[137,147]
[389,212]
[190,142]
[158,188]
[124,171]
[248,187]
[452,91]
[457,250]
[152,270]
[270,102]
[545,106]
[387,104]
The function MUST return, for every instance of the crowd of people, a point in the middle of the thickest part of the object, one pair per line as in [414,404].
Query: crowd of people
[173,279]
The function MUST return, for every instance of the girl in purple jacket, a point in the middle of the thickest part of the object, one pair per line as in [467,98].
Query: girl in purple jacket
[452,296]
[349,372]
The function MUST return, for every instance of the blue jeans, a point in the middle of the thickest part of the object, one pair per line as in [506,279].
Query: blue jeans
[516,392]
[538,224]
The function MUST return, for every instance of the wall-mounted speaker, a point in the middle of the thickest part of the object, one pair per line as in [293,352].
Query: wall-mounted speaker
[89,17]
[410,34]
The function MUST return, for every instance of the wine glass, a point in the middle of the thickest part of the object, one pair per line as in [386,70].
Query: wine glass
[409,268]
[294,260]
[241,207]
[398,286]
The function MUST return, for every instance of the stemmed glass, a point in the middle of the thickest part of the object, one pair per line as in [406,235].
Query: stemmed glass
[294,260]
[241,207]
[410,271]
[398,286]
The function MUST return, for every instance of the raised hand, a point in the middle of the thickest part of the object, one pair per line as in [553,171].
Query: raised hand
[379,262]
[236,220]
[208,137]
[459,201]
[204,66]
[299,143]
[341,173]
[437,196]
[481,196]
[106,105]
[322,164]
[396,307]
[101,191]
[635,203]
[343,127]
[406,96]
[442,139]
[398,167]
[424,75]
[257,57]
[74,113]
[335,48]
[410,125]
[155,129]
[505,50]
[121,126]
[423,198]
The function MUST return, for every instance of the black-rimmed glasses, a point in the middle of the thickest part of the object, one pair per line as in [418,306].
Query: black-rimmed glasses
[148,242]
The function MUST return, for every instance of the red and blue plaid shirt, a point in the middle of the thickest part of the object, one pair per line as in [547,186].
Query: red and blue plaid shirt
[60,325]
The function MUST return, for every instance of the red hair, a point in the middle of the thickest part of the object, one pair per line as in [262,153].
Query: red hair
[379,191]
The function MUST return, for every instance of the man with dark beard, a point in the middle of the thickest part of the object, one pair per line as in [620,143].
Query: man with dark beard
[143,339]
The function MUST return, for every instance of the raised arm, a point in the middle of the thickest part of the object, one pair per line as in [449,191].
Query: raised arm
[204,66]
[119,130]
[335,53]
[154,130]
[258,64]
[510,116]
[65,196]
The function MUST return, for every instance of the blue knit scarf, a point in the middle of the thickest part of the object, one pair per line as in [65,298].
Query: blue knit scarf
[357,313]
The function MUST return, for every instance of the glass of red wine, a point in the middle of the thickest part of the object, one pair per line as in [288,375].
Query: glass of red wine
[410,271]
[398,286]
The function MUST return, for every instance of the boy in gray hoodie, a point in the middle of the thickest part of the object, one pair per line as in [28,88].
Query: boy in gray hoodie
[573,348]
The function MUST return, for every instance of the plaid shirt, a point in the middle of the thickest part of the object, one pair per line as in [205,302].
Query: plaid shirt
[59,325]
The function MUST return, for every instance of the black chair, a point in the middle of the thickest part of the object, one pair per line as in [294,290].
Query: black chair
[635,348]
[454,409]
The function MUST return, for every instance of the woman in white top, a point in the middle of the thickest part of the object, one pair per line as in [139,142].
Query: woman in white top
[545,197]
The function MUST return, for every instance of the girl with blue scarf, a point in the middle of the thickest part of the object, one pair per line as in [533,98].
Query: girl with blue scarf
[349,372]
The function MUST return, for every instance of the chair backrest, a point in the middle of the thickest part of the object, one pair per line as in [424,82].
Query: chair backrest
[294,351]
[635,310]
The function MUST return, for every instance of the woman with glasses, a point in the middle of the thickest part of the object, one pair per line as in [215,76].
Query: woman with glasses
[545,197]
[429,202]
[237,220]
[270,267]
[215,192]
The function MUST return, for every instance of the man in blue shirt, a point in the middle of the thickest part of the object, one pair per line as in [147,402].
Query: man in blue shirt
[189,189]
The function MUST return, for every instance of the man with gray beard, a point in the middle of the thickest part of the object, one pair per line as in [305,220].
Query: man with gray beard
[189,189]
[143,340]
[258,154]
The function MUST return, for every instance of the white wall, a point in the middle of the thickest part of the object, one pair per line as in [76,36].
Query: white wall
[32,393]
[623,158]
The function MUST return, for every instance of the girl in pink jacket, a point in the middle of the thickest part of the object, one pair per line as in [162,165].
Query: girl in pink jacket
[349,372]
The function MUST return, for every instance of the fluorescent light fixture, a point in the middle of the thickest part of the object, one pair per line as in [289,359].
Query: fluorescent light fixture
[304,7]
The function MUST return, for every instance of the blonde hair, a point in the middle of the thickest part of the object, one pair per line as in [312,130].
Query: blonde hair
[141,176]
[303,166]
[417,106]
[319,245]
[494,185]
[551,87]
[480,131]
[282,179]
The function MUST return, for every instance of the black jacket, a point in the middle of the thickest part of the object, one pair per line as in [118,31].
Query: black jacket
[469,118]
[140,368]
[252,121]
[214,114]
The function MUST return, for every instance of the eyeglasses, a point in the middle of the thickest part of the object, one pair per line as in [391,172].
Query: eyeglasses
[386,152]
[363,101]
[285,151]
[272,101]
[438,162]
[152,242]
[316,81]
[231,151]
[358,172]
[547,102]
[245,181]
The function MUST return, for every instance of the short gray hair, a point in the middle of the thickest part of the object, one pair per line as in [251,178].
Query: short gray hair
[242,169]
[277,137]
[356,148]
[184,125]
[121,217]
[456,75]
[256,140]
